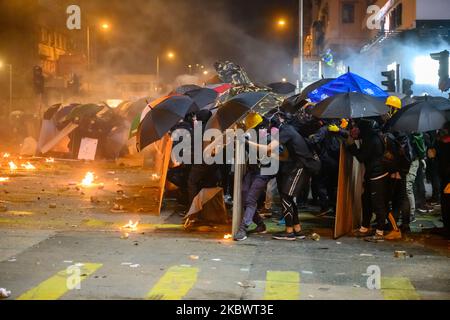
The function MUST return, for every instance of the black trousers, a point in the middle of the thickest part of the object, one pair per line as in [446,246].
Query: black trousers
[375,200]
[419,186]
[290,182]
[399,200]
[201,176]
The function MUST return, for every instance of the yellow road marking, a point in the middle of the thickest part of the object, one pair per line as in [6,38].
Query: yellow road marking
[398,288]
[174,284]
[282,285]
[55,287]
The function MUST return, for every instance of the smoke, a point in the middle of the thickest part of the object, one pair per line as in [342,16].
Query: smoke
[198,31]
[371,63]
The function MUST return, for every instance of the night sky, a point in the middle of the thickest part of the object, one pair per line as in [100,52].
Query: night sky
[198,31]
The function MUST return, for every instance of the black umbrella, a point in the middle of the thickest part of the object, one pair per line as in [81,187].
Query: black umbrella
[234,109]
[351,105]
[440,103]
[314,86]
[185,88]
[203,97]
[282,87]
[418,117]
[293,104]
[162,118]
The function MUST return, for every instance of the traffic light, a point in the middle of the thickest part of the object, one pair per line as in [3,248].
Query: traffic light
[442,57]
[407,87]
[390,82]
[38,80]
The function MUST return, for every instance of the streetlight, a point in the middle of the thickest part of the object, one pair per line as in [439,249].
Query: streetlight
[10,84]
[170,56]
[105,27]
[300,54]
[281,23]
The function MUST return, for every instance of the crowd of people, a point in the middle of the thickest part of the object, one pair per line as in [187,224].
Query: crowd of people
[397,166]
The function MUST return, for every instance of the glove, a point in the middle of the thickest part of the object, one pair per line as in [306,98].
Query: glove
[333,128]
[344,123]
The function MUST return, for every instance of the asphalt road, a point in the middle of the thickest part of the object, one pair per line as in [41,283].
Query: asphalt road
[176,265]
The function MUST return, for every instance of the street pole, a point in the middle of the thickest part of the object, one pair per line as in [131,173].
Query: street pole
[10,88]
[157,72]
[300,82]
[88,39]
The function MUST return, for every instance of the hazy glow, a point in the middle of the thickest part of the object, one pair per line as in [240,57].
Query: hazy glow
[426,70]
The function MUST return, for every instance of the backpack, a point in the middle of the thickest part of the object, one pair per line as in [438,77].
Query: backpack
[397,155]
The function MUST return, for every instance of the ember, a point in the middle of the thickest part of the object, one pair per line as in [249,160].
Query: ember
[49,160]
[88,179]
[227,236]
[28,166]
[6,155]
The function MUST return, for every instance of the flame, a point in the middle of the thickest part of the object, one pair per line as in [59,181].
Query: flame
[49,160]
[12,166]
[88,179]
[6,155]
[2,179]
[28,166]
[132,226]
[155,176]
[227,236]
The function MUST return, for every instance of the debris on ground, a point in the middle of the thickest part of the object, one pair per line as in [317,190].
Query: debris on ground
[52,205]
[307,272]
[400,254]
[366,255]
[12,259]
[216,260]
[356,286]
[4,293]
[246,284]
[315,237]
[192,257]
[124,236]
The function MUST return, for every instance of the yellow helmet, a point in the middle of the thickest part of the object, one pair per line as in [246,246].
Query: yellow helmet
[252,120]
[394,102]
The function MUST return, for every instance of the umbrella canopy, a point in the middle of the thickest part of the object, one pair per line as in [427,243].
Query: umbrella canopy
[203,97]
[60,115]
[220,88]
[84,110]
[418,117]
[348,82]
[314,86]
[161,119]
[282,87]
[440,103]
[350,105]
[293,104]
[234,109]
[185,88]
[130,110]
[51,111]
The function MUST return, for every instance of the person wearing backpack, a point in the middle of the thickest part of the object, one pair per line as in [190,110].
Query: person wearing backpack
[375,195]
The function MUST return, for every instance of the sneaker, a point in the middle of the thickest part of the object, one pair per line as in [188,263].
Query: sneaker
[300,235]
[393,235]
[259,229]
[412,218]
[375,238]
[425,209]
[284,236]
[241,235]
[358,234]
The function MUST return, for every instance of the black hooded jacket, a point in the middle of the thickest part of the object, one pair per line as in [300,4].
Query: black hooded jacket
[371,151]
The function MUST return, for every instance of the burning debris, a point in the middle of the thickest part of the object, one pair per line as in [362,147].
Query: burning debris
[12,166]
[6,155]
[88,179]
[4,179]
[49,160]
[28,166]
[131,226]
[227,236]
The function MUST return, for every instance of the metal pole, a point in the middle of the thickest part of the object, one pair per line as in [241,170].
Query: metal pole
[88,39]
[157,72]
[301,45]
[397,78]
[10,89]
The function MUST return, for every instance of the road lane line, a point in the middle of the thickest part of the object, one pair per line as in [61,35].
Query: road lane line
[55,287]
[174,284]
[398,288]
[282,285]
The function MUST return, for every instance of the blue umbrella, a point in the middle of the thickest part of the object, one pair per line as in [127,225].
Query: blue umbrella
[348,82]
